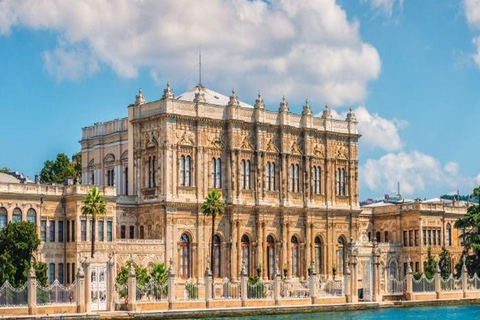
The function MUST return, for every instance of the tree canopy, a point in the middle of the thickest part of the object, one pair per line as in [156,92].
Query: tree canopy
[430,264]
[213,206]
[93,207]
[141,273]
[18,241]
[60,169]
[4,170]
[445,263]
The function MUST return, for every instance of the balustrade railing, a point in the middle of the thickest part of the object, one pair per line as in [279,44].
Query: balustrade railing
[152,291]
[56,293]
[13,297]
[423,284]
[395,286]
[226,290]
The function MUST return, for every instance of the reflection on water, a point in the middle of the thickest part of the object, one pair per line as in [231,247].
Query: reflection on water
[430,313]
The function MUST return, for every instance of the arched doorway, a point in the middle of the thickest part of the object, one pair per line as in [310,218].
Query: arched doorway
[341,255]
[184,256]
[270,257]
[246,253]
[295,257]
[318,255]
[216,256]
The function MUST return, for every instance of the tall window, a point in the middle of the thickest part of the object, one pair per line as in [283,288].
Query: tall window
[60,273]
[385,238]
[109,230]
[60,231]
[245,174]
[216,173]
[123,232]
[83,231]
[152,172]
[73,231]
[32,216]
[316,180]
[429,237]
[51,273]
[43,230]
[100,230]
[185,171]
[410,238]
[405,240]
[318,255]
[270,176]
[184,256]
[126,181]
[68,231]
[17,215]
[216,256]
[110,177]
[439,237]
[295,257]
[377,236]
[270,257]
[461,235]
[3,218]
[416,238]
[246,252]
[294,178]
[297,178]
[132,232]
[341,255]
[448,235]
[52,230]
[341,182]
[68,273]
[424,237]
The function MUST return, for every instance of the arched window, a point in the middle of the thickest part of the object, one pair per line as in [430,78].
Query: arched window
[448,235]
[297,179]
[295,258]
[318,255]
[216,173]
[17,215]
[182,170]
[32,216]
[3,218]
[341,182]
[247,175]
[272,177]
[51,273]
[292,180]
[318,180]
[185,171]
[184,256]
[267,177]
[270,257]
[246,252]
[152,173]
[341,255]
[242,174]
[377,236]
[216,256]
[316,175]
[392,270]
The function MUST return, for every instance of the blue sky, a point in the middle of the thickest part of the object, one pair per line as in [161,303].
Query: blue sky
[410,69]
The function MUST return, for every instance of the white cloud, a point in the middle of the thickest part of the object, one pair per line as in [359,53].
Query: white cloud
[416,172]
[472,11]
[377,132]
[289,47]
[476,56]
[385,6]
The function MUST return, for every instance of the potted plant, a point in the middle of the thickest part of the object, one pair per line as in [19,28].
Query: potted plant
[259,269]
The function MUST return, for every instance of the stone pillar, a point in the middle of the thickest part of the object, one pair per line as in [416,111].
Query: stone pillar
[276,285]
[347,283]
[81,290]
[464,277]
[132,289]
[377,297]
[354,280]
[438,279]
[111,285]
[208,286]
[409,280]
[312,282]
[171,286]
[88,285]
[32,291]
[243,284]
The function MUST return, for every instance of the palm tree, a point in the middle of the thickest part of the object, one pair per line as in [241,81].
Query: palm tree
[159,273]
[93,207]
[213,206]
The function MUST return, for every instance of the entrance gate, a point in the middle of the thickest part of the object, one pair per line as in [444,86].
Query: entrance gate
[98,287]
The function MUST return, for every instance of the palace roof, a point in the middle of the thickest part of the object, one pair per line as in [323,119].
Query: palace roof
[211,97]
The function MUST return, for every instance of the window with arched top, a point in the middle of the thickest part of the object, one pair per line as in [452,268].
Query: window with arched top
[245,174]
[184,256]
[297,178]
[318,255]
[17,215]
[152,171]
[51,273]
[216,173]
[341,255]
[392,270]
[341,182]
[185,171]
[245,241]
[315,180]
[295,257]
[448,235]
[270,257]
[32,216]
[377,236]
[216,256]
[3,218]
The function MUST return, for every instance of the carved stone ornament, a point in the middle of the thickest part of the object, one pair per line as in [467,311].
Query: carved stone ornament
[318,151]
[185,138]
[363,237]
[246,144]
[216,140]
[296,148]
[342,152]
[271,146]
[150,139]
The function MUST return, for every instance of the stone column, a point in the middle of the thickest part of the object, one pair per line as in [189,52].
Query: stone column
[438,279]
[377,297]
[88,285]
[409,280]
[347,282]
[354,279]
[464,277]
[208,287]
[312,282]
[308,245]
[171,286]
[32,291]
[276,285]
[132,289]
[111,285]
[81,290]
[243,285]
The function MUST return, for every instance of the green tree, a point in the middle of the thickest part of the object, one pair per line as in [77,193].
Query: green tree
[18,241]
[60,169]
[430,264]
[93,207]
[213,206]
[159,273]
[141,273]
[445,263]
[4,170]
[41,273]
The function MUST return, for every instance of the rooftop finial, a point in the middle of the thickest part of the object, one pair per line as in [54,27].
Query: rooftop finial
[139,98]
[168,92]
[327,113]
[306,109]
[233,99]
[259,102]
[199,95]
[351,115]
[284,105]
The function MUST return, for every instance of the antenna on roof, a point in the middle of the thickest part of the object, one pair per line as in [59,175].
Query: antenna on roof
[398,188]
[200,65]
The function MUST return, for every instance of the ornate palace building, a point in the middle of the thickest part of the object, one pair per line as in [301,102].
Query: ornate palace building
[289,181]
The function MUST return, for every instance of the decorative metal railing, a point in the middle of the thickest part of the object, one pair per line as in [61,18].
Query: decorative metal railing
[423,284]
[13,297]
[56,293]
